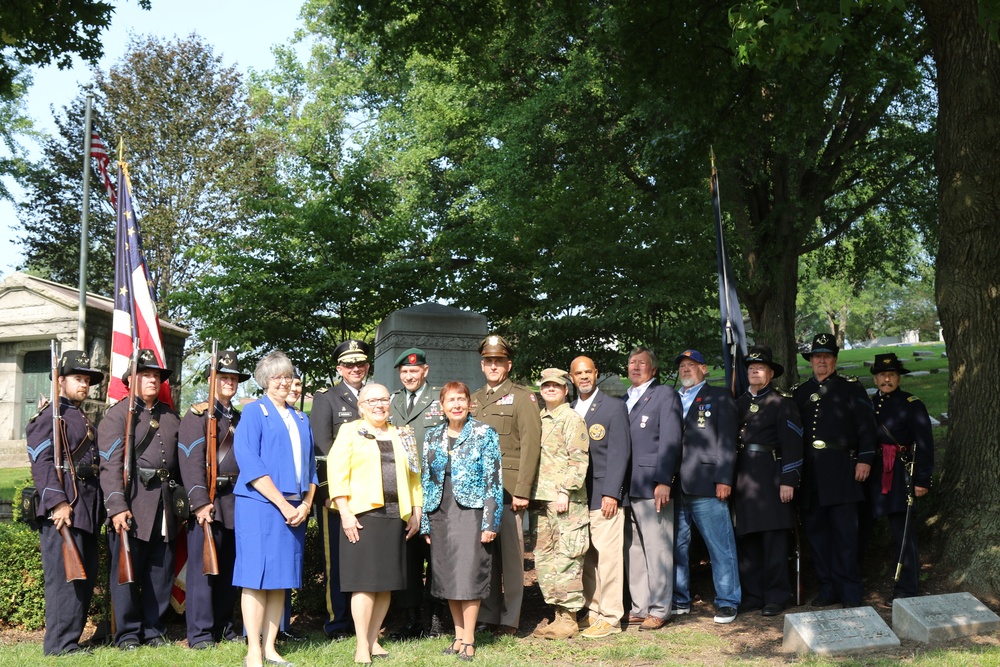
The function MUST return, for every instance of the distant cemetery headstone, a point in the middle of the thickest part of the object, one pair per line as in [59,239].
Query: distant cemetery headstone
[837,631]
[449,337]
[935,618]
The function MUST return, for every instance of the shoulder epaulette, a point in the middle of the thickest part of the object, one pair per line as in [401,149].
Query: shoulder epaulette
[323,390]
[796,386]
[786,394]
[851,378]
[199,408]
[912,398]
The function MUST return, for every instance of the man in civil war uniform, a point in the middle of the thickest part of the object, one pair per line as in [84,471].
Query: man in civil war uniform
[73,502]
[145,510]
[905,442]
[839,438]
[768,471]
[211,599]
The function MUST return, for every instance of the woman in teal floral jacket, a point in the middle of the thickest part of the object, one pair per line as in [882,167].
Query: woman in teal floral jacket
[463,503]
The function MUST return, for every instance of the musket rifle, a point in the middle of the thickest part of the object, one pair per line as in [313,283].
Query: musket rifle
[125,573]
[72,563]
[209,557]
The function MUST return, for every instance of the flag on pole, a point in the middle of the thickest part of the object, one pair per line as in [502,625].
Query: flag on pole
[135,310]
[734,340]
[99,152]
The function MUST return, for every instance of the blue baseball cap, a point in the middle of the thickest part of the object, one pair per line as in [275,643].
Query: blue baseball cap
[693,355]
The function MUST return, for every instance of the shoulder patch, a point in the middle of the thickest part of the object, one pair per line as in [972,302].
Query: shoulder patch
[323,390]
[851,378]
[911,399]
[199,408]
[532,397]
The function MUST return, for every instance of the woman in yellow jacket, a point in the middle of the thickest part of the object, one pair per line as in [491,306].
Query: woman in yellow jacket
[374,476]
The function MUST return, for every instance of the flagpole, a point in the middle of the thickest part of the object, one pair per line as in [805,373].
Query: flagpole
[81,320]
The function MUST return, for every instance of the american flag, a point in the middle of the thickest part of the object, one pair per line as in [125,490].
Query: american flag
[135,312]
[99,152]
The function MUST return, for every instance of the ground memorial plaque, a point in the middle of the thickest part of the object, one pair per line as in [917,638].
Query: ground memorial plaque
[837,631]
[934,618]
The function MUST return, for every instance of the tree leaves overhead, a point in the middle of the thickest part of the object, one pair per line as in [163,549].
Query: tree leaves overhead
[193,160]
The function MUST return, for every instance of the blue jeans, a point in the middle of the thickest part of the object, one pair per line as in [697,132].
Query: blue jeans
[711,517]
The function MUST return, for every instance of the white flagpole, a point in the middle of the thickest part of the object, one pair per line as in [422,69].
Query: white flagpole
[81,323]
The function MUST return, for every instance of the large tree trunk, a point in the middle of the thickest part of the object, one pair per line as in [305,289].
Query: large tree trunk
[968,288]
[772,308]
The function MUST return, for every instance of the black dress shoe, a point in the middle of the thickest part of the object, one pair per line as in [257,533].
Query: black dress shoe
[156,642]
[290,636]
[202,645]
[820,601]
[772,609]
[129,645]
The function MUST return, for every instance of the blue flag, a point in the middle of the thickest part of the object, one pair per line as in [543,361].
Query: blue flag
[734,340]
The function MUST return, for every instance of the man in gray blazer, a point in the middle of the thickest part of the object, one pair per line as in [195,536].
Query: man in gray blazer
[607,488]
[413,410]
[708,466]
[655,429]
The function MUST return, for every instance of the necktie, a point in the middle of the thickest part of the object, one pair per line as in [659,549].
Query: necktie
[409,404]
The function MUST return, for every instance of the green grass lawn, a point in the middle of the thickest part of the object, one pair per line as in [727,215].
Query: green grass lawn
[11,478]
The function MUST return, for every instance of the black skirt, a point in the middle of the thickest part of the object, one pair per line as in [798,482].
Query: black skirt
[377,561]
[461,562]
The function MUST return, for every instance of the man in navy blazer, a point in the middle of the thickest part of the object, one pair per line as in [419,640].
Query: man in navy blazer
[708,466]
[655,429]
[607,488]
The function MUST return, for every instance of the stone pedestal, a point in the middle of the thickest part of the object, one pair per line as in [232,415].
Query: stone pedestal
[449,336]
[837,631]
[934,618]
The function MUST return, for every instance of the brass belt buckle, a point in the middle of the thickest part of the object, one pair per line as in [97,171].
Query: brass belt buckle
[819,444]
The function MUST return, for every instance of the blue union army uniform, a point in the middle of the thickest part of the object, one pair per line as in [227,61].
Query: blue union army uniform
[769,455]
[67,602]
[839,432]
[210,599]
[904,436]
[139,607]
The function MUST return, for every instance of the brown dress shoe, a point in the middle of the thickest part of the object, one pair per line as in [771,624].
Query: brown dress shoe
[653,623]
[505,630]
[632,618]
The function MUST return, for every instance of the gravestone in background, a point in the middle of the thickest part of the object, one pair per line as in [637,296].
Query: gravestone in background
[449,336]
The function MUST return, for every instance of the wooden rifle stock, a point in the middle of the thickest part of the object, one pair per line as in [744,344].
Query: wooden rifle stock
[72,562]
[209,557]
[125,573]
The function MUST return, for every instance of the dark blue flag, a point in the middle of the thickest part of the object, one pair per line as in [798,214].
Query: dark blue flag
[734,340]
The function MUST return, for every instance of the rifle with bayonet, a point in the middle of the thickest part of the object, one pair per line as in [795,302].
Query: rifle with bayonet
[125,573]
[72,563]
[209,557]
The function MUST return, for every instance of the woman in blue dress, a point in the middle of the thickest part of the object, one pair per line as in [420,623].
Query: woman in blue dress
[274,493]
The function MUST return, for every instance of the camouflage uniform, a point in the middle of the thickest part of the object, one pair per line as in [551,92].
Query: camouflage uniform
[563,538]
